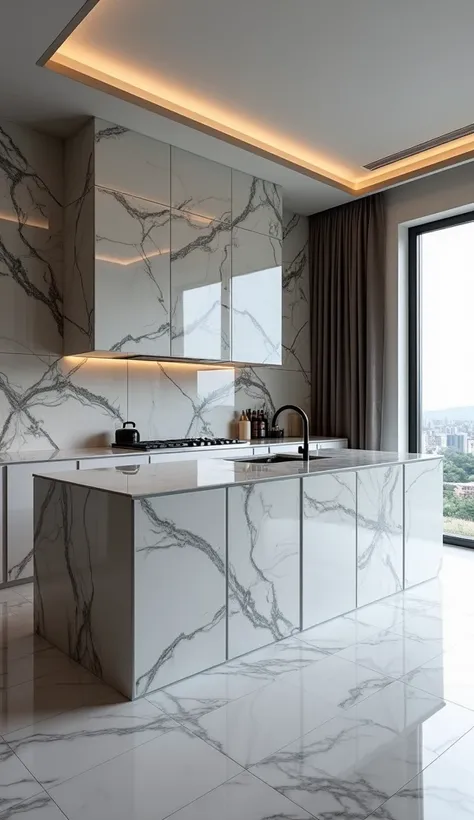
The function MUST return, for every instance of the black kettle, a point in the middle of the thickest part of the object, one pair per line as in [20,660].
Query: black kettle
[127,435]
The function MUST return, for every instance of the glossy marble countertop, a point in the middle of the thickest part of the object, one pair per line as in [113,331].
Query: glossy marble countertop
[33,456]
[199,474]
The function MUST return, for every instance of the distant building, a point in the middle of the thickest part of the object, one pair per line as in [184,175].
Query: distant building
[457,442]
[464,490]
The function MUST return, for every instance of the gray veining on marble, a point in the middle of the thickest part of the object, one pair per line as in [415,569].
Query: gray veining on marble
[329,547]
[379,533]
[31,304]
[200,186]
[131,163]
[132,274]
[200,291]
[256,204]
[83,572]
[264,564]
[180,585]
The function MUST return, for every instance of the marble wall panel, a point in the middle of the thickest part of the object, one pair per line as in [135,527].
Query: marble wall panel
[263,564]
[31,300]
[296,293]
[200,276]
[423,521]
[329,547]
[256,281]
[379,533]
[168,400]
[87,577]
[131,163]
[200,186]
[132,274]
[256,204]
[79,233]
[180,584]
[58,403]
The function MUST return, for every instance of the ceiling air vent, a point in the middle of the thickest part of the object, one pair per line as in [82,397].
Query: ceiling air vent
[466,131]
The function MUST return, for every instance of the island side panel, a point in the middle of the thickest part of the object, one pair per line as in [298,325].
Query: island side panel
[83,563]
[180,586]
[423,521]
[329,546]
[379,533]
[264,564]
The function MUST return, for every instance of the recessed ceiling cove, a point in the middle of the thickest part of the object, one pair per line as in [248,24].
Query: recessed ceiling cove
[319,87]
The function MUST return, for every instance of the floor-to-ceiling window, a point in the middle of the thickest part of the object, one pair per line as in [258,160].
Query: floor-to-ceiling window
[441,361]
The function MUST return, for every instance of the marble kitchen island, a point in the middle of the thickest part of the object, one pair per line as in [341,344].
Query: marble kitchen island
[151,574]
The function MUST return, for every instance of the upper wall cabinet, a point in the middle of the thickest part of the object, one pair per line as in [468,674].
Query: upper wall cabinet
[168,254]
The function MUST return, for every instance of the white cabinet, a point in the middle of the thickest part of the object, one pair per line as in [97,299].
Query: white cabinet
[200,453]
[263,532]
[379,533]
[423,520]
[329,547]
[113,461]
[19,513]
[336,444]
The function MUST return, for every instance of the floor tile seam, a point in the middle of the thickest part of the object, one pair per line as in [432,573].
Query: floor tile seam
[48,789]
[210,791]
[257,776]
[47,675]
[215,708]
[41,788]
[426,692]
[412,780]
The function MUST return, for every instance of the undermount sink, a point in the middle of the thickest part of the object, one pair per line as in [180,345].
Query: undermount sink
[274,458]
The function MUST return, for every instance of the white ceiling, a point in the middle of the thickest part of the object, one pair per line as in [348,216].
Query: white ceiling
[346,80]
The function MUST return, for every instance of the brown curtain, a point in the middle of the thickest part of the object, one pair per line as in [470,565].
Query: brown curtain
[347,270]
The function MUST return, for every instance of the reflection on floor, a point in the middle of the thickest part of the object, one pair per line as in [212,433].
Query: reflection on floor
[365,716]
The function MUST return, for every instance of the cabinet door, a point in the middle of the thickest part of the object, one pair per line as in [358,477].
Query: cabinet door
[423,520]
[113,461]
[379,533]
[132,274]
[180,587]
[263,564]
[200,453]
[200,299]
[256,298]
[329,546]
[20,514]
[284,448]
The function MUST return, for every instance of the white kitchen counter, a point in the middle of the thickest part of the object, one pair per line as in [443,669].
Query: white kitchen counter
[77,453]
[192,475]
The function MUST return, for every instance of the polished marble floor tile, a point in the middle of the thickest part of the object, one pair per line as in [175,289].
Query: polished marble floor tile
[449,676]
[440,792]
[191,699]
[57,749]
[247,729]
[337,634]
[45,662]
[244,797]
[147,783]
[391,653]
[337,682]
[352,764]
[16,782]
[61,690]
[39,807]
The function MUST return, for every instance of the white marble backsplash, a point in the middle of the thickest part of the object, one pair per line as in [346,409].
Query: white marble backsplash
[47,401]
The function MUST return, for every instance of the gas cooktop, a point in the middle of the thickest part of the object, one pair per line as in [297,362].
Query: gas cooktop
[177,443]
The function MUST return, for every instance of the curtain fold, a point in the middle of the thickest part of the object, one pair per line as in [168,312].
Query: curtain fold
[347,273]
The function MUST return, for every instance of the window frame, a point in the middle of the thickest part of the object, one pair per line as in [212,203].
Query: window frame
[414,346]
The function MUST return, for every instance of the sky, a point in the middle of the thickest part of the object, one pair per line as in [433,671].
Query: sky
[447,313]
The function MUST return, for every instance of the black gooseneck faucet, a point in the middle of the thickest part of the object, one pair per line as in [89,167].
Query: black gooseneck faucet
[304,450]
